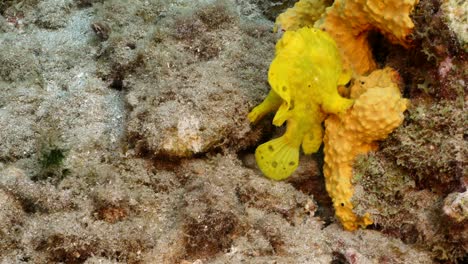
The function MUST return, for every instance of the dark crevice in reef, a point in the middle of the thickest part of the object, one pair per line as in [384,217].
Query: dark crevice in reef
[339,258]
[315,185]
[380,47]
[311,185]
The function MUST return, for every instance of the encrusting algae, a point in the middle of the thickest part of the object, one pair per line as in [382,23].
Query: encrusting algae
[312,58]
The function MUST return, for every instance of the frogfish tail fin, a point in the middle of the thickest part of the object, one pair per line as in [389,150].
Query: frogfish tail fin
[277,158]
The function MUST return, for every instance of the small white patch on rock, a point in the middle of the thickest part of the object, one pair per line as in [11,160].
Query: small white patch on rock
[188,138]
[456,14]
[456,206]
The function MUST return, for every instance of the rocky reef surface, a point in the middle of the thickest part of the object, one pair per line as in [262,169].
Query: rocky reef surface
[124,139]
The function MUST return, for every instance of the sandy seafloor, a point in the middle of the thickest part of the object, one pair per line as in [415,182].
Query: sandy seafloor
[124,139]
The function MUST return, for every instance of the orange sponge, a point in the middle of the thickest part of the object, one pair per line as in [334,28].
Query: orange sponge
[377,111]
[349,23]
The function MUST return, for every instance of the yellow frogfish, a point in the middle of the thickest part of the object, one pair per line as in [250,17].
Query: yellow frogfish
[304,76]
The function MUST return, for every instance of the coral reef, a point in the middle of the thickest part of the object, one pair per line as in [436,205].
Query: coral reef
[431,145]
[91,90]
[185,105]
[401,209]
[414,185]
[212,209]
[436,68]
[410,186]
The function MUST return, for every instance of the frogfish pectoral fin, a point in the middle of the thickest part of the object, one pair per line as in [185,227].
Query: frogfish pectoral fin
[271,103]
[312,140]
[281,115]
[336,104]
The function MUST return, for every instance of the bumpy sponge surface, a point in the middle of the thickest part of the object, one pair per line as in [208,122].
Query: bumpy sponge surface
[350,21]
[377,111]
